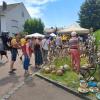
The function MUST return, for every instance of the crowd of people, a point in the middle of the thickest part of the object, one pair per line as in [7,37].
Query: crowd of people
[42,48]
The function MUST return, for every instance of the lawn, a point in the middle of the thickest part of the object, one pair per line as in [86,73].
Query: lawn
[69,78]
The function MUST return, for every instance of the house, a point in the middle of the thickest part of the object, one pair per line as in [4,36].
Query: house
[12,18]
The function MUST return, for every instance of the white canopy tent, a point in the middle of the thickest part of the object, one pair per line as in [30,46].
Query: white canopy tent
[53,35]
[35,35]
[75,27]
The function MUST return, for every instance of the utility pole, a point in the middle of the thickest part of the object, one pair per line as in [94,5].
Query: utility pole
[0,22]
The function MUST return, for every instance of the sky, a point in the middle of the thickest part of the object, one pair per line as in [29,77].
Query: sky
[54,13]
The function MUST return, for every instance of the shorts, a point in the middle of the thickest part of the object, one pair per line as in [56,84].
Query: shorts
[14,54]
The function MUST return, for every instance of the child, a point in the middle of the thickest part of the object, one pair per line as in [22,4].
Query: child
[26,53]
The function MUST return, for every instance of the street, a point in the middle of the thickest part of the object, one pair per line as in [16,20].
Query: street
[35,89]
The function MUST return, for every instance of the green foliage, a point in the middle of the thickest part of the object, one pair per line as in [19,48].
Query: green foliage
[23,34]
[62,61]
[97,36]
[89,15]
[34,26]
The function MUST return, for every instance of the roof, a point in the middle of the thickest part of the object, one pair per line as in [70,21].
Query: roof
[9,7]
[49,30]
[74,27]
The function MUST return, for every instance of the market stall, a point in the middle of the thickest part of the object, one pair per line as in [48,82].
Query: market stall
[35,35]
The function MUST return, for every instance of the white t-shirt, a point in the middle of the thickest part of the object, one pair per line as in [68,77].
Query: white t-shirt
[45,44]
[58,41]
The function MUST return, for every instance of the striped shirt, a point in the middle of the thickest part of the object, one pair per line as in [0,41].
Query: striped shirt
[73,43]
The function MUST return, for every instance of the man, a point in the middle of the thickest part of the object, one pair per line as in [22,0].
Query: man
[74,51]
[45,48]
[14,52]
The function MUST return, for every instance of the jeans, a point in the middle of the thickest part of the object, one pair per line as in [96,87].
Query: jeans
[26,62]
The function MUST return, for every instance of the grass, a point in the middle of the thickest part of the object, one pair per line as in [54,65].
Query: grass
[62,61]
[70,78]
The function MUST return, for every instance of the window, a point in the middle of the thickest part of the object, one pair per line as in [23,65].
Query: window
[14,23]
[22,14]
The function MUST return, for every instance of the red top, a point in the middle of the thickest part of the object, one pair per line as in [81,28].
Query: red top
[25,48]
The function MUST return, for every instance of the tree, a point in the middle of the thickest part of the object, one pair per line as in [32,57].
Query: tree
[33,26]
[89,15]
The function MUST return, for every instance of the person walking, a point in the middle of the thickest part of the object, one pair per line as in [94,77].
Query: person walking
[27,54]
[14,52]
[74,52]
[38,53]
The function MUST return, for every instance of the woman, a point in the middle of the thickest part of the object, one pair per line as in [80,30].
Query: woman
[38,53]
[74,51]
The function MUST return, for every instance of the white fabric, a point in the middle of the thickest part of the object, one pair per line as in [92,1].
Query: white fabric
[45,44]
[58,41]
[52,34]
[35,35]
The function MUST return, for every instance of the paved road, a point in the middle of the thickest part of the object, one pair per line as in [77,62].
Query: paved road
[7,82]
[39,89]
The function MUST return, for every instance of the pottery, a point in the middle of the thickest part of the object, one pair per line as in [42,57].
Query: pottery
[47,70]
[53,72]
[83,90]
[92,84]
[93,89]
[66,67]
[59,72]
[83,84]
[98,85]
[98,95]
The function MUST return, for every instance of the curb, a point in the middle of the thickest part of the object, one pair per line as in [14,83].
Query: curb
[58,84]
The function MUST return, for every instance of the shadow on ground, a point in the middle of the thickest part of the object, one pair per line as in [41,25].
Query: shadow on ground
[3,63]
[14,79]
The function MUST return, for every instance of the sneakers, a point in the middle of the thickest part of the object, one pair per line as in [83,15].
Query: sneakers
[12,71]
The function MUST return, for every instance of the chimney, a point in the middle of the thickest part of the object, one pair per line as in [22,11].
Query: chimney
[4,6]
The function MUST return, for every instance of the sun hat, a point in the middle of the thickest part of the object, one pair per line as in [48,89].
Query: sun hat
[73,34]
